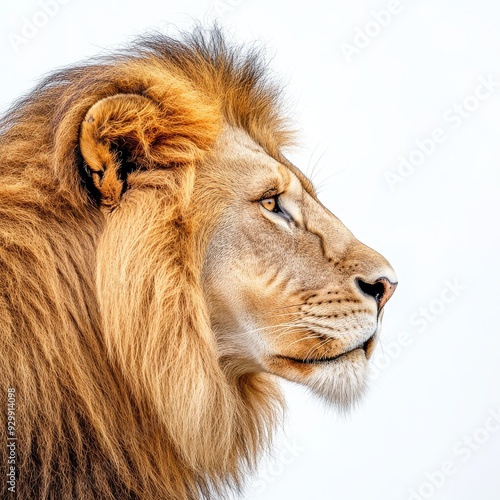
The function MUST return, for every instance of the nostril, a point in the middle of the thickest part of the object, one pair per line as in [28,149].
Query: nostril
[375,290]
[381,290]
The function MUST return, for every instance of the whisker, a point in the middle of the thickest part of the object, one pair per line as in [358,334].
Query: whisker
[296,313]
[307,336]
[287,307]
[381,342]
[308,172]
[317,347]
[287,332]
[326,180]
[313,173]
[270,327]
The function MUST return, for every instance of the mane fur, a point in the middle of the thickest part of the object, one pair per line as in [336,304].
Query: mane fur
[106,339]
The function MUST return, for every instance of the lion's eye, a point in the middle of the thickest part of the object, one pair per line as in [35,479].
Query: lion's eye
[270,204]
[274,205]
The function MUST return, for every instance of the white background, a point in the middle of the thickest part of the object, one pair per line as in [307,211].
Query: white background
[438,226]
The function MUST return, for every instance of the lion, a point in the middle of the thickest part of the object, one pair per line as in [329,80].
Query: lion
[162,266]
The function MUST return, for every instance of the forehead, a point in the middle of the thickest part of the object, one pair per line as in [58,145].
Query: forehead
[247,162]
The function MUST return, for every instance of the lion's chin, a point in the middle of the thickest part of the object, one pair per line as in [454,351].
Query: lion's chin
[341,381]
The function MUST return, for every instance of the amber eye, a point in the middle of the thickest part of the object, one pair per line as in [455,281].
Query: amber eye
[269,204]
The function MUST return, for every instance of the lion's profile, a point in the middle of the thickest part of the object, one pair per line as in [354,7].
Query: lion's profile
[160,263]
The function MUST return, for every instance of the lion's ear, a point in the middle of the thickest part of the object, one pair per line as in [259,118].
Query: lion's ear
[126,132]
[116,137]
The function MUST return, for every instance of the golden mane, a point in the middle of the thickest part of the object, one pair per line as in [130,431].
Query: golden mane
[123,395]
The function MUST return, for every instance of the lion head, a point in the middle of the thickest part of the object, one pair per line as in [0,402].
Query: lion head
[161,262]
[290,290]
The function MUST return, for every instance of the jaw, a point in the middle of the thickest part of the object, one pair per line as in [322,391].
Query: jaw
[340,382]
[340,378]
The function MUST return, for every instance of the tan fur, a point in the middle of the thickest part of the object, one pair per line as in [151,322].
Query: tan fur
[120,183]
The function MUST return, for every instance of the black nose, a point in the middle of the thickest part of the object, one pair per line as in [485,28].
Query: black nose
[381,290]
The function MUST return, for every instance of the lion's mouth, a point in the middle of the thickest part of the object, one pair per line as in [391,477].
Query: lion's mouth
[366,346]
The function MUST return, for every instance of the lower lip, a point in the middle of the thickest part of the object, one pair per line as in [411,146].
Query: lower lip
[367,348]
[322,361]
